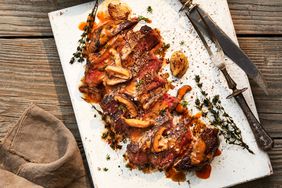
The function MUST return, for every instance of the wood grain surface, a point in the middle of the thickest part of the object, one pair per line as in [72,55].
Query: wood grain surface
[257,16]
[30,69]
[29,17]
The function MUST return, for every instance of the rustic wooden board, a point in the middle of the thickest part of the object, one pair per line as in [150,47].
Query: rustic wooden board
[266,54]
[29,18]
[256,16]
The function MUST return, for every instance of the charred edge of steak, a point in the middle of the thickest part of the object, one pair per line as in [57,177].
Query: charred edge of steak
[107,31]
[210,137]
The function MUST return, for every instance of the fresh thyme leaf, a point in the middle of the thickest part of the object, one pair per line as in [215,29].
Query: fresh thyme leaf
[215,99]
[184,103]
[166,46]
[197,78]
[220,119]
[200,85]
[105,169]
[108,157]
[139,83]
[182,43]
[105,135]
[197,102]
[140,18]
[204,93]
[149,9]
[79,54]
[207,102]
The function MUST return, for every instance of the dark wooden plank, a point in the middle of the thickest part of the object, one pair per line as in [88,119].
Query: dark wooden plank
[266,53]
[256,16]
[30,71]
[29,18]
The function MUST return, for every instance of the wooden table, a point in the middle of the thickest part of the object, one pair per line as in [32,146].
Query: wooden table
[30,70]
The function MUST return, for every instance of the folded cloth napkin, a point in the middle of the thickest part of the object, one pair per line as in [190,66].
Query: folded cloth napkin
[39,151]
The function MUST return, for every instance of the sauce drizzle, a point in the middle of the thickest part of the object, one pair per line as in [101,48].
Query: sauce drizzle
[82,25]
[217,153]
[175,175]
[205,172]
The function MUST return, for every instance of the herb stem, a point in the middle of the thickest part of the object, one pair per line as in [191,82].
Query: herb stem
[213,109]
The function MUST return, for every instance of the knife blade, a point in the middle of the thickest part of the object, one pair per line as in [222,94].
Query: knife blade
[263,139]
[234,52]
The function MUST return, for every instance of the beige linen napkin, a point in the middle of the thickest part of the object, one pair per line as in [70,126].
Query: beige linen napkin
[39,151]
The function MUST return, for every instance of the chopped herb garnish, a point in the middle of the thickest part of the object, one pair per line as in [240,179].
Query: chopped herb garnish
[149,9]
[105,169]
[198,103]
[166,46]
[162,112]
[139,83]
[212,109]
[120,107]
[184,103]
[99,169]
[108,157]
[182,43]
[140,18]
[105,135]
[197,79]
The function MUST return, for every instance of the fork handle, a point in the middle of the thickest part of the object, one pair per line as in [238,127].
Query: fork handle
[263,139]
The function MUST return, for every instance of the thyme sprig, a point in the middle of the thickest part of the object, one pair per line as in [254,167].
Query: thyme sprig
[212,107]
[79,54]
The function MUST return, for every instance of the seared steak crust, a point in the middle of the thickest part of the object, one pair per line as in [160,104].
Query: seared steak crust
[123,74]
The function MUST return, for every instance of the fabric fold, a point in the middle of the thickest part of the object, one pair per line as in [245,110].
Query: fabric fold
[41,150]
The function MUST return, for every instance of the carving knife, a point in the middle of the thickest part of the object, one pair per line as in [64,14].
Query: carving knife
[228,46]
[264,141]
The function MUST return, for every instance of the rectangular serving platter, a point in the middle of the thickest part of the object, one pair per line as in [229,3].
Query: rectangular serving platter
[233,166]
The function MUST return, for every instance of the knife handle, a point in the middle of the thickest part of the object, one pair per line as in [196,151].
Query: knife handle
[263,139]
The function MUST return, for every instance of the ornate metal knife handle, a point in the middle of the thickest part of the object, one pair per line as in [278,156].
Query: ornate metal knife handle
[263,139]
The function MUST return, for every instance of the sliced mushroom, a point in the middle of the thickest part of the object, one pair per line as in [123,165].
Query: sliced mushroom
[131,89]
[138,123]
[182,91]
[116,57]
[113,81]
[118,72]
[119,11]
[160,143]
[178,64]
[153,98]
[129,104]
[198,152]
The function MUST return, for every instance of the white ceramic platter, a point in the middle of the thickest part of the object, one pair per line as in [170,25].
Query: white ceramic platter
[232,167]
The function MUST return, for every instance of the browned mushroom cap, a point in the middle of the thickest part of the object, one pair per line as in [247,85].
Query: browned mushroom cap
[118,72]
[160,143]
[119,11]
[129,105]
[138,123]
[178,64]
[113,81]
[198,153]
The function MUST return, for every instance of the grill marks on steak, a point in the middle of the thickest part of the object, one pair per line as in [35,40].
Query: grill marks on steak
[185,151]
[173,141]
